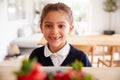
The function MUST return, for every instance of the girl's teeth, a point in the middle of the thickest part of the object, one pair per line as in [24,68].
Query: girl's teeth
[54,38]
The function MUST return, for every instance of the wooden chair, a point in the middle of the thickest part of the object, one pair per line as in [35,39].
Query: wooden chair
[101,52]
[112,61]
[87,49]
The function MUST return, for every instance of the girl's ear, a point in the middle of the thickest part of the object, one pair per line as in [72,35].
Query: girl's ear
[41,28]
[71,29]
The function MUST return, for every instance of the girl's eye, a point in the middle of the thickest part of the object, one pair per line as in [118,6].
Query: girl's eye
[61,26]
[48,25]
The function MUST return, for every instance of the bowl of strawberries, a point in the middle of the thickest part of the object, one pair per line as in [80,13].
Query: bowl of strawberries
[32,70]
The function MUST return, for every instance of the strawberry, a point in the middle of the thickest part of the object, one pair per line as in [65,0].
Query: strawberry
[77,73]
[59,75]
[31,70]
[74,74]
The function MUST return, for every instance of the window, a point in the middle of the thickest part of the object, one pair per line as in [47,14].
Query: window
[16,9]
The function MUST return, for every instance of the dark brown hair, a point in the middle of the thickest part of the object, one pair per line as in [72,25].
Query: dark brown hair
[57,7]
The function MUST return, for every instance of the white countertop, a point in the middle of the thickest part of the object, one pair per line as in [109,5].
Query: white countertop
[103,73]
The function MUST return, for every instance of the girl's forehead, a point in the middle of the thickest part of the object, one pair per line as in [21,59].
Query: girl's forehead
[56,15]
[56,12]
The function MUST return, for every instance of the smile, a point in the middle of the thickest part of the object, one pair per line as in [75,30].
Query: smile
[54,38]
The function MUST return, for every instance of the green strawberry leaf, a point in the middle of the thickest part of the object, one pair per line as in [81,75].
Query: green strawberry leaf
[26,68]
[77,65]
[88,77]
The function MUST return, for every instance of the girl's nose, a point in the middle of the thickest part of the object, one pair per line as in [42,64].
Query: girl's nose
[55,30]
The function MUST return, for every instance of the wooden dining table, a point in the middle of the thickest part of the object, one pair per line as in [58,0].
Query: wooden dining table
[109,40]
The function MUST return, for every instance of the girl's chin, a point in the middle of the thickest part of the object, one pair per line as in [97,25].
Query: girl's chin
[55,44]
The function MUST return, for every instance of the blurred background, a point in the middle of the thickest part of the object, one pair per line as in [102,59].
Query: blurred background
[19,22]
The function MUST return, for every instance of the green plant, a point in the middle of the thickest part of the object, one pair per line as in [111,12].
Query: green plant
[110,6]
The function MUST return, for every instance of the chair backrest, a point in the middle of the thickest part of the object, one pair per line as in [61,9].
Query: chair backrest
[116,49]
[112,62]
[86,48]
[102,50]
[116,58]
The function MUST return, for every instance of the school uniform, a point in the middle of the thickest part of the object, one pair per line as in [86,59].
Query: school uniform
[65,56]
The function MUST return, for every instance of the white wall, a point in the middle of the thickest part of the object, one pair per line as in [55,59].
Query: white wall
[116,19]
[3,40]
[99,18]
[8,29]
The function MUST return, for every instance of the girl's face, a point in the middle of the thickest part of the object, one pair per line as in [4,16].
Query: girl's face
[55,29]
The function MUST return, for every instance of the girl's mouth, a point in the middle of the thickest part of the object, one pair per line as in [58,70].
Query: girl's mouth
[54,38]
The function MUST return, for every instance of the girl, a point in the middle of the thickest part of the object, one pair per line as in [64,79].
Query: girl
[56,24]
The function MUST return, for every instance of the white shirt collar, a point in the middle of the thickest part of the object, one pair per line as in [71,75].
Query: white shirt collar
[61,54]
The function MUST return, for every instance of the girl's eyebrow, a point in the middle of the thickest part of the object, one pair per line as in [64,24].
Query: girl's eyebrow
[47,22]
[61,22]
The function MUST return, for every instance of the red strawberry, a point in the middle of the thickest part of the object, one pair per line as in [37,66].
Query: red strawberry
[66,76]
[59,75]
[31,70]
